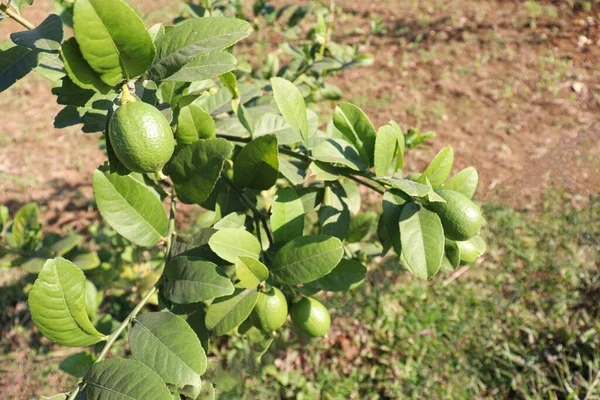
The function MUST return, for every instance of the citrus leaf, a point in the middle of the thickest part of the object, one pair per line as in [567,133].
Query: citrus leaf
[356,128]
[45,37]
[205,67]
[439,168]
[347,275]
[341,152]
[168,345]
[257,164]
[112,39]
[117,378]
[193,124]
[190,279]
[194,38]
[271,123]
[287,215]
[422,238]
[386,143]
[130,207]
[360,226]
[78,364]
[291,104]
[66,244]
[57,305]
[392,208]
[194,315]
[227,313]
[411,188]
[231,243]
[352,198]
[307,258]
[400,145]
[220,102]
[250,272]
[334,215]
[26,228]
[197,167]
[292,170]
[15,63]
[464,182]
[79,70]
[86,259]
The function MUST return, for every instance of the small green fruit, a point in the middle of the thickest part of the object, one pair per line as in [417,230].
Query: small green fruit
[141,137]
[310,316]
[472,249]
[270,311]
[461,218]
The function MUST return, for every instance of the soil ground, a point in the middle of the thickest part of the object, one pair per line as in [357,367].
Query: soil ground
[513,86]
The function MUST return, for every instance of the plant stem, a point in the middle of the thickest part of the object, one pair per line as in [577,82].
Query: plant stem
[255,211]
[126,97]
[15,16]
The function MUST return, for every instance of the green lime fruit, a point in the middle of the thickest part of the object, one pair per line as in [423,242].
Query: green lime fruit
[141,137]
[270,311]
[310,316]
[461,218]
[472,249]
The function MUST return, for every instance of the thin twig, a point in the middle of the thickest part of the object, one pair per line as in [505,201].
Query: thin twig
[455,275]
[15,16]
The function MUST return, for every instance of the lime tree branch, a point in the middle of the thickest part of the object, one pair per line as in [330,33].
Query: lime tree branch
[15,16]
[258,215]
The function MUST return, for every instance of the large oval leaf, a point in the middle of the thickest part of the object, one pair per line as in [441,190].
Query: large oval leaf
[392,207]
[291,104]
[422,238]
[120,379]
[205,67]
[130,208]
[15,63]
[356,128]
[168,345]
[79,70]
[334,214]
[197,167]
[193,124]
[190,279]
[307,258]
[227,313]
[339,151]
[57,304]
[386,144]
[257,164]
[194,38]
[287,215]
[112,39]
[250,272]
[231,243]
[464,182]
[347,275]
[439,168]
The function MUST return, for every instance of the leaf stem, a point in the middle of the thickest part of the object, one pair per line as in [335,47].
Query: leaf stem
[15,16]
[255,211]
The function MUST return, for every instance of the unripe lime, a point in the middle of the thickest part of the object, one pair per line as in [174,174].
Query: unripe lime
[270,311]
[472,249]
[141,137]
[460,217]
[310,316]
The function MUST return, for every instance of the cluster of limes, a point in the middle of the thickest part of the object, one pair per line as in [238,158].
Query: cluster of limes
[308,314]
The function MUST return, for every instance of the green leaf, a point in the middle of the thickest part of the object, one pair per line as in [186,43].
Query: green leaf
[26,228]
[411,188]
[45,37]
[208,392]
[78,364]
[79,70]
[20,4]
[197,167]
[347,275]
[400,145]
[57,305]
[205,67]
[93,298]
[464,182]
[250,272]
[194,38]
[130,207]
[3,217]
[334,215]
[292,170]
[360,226]
[386,144]
[66,244]
[86,260]
[220,102]
[422,238]
[231,243]
[341,152]
[439,169]
[452,253]
[271,123]
[353,197]
[227,313]
[392,208]
[291,104]
[356,128]
[168,345]
[112,39]
[257,164]
[190,279]
[194,315]
[287,215]
[15,63]
[307,258]
[34,263]
[193,124]
[117,378]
